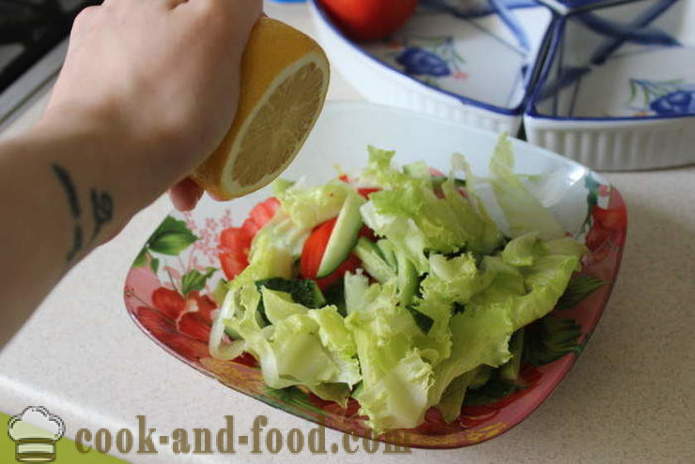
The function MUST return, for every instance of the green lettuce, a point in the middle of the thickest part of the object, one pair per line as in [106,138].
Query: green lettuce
[452,398]
[409,212]
[395,377]
[480,335]
[455,279]
[309,206]
[523,211]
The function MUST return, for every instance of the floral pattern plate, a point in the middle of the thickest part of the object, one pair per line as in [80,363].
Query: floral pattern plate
[448,45]
[169,292]
[623,61]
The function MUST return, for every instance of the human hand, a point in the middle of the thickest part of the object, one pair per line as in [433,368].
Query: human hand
[158,78]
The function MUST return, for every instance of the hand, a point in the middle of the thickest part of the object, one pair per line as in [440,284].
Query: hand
[159,78]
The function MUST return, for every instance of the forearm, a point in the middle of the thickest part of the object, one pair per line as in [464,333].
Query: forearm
[66,191]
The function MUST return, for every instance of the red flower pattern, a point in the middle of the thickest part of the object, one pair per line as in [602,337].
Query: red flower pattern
[182,324]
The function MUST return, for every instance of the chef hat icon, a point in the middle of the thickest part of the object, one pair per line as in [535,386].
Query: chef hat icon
[35,432]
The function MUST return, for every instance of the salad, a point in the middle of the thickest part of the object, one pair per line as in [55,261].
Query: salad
[394,287]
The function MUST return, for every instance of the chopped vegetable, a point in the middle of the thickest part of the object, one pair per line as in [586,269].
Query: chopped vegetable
[395,287]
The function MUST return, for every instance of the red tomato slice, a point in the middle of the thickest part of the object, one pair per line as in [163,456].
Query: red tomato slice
[344,178]
[250,227]
[368,233]
[264,211]
[365,191]
[349,265]
[233,263]
[314,248]
[235,239]
[313,251]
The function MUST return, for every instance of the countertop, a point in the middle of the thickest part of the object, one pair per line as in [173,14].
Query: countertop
[630,398]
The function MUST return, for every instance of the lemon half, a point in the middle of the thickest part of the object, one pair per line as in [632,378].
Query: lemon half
[284,81]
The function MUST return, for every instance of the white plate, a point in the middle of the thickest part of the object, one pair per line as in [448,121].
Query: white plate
[618,91]
[470,61]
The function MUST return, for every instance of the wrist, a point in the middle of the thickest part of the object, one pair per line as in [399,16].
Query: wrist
[103,166]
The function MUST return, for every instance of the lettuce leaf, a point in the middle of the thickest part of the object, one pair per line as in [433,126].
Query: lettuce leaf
[408,212]
[455,393]
[395,377]
[454,279]
[480,335]
[523,211]
[309,206]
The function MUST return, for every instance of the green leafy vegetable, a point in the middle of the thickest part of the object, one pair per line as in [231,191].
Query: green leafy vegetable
[303,291]
[550,339]
[453,396]
[580,287]
[441,312]
[494,390]
[309,206]
[523,211]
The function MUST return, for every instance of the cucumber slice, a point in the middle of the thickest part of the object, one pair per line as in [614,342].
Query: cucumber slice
[372,261]
[343,237]
[407,279]
[388,252]
[510,370]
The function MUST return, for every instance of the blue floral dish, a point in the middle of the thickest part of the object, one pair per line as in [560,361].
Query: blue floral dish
[567,6]
[632,65]
[441,61]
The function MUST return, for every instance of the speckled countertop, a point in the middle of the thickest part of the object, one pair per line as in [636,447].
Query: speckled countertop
[630,398]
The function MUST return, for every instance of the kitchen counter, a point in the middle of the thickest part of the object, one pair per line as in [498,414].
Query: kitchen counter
[628,400]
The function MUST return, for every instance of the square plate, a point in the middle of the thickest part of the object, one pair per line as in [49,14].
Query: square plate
[184,248]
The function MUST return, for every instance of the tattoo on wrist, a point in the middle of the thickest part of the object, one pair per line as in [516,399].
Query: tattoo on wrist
[102,209]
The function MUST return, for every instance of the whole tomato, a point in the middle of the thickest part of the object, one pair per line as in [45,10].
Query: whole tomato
[369,19]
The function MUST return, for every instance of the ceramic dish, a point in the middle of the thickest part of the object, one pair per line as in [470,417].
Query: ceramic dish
[168,290]
[567,6]
[618,90]
[466,61]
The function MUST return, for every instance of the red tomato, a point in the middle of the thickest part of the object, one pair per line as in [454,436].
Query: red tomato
[313,251]
[264,211]
[314,248]
[236,241]
[233,263]
[369,19]
[368,233]
[349,265]
[366,191]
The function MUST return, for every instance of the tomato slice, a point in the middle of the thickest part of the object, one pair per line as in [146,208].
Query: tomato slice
[312,254]
[314,248]
[235,239]
[349,265]
[233,263]
[264,211]
[368,233]
[365,191]
[235,242]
